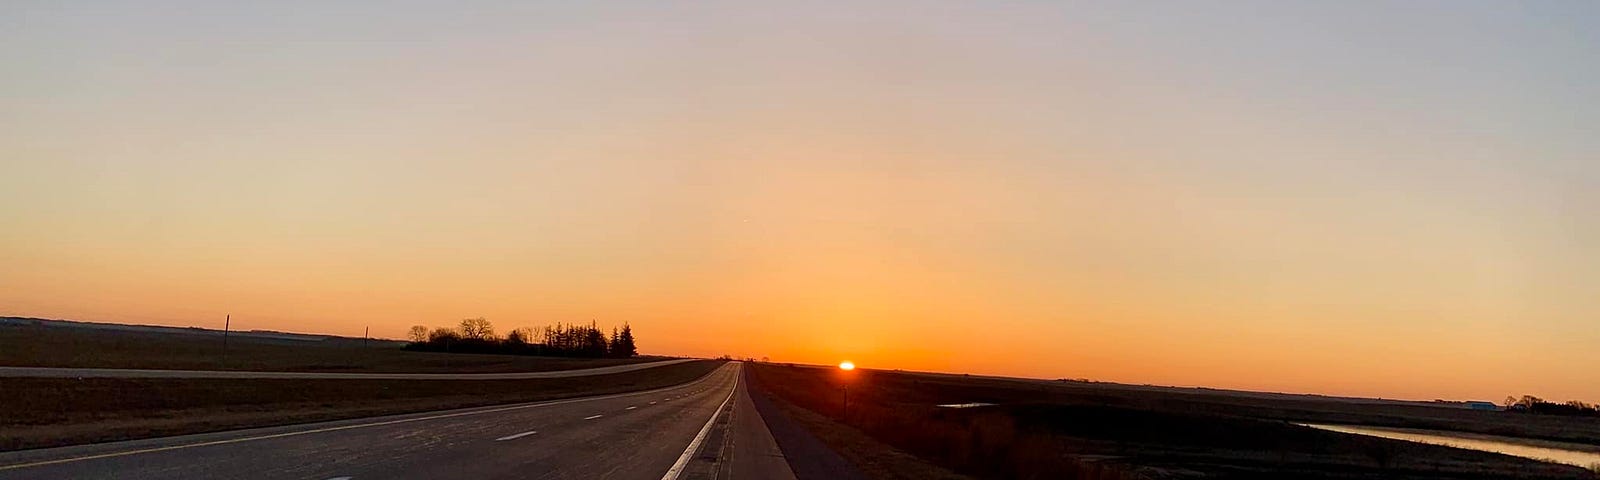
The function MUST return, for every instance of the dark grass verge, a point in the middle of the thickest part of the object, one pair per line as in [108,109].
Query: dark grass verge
[50,412]
[976,449]
[47,346]
[1222,446]
[871,458]
[1292,408]
[1038,431]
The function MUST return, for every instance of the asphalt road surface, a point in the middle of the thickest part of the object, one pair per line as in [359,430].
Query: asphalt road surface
[51,372]
[701,429]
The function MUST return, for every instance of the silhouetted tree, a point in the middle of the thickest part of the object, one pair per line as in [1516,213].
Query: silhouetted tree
[477,329]
[623,346]
[418,334]
[476,335]
[1533,404]
[515,338]
[441,335]
[594,342]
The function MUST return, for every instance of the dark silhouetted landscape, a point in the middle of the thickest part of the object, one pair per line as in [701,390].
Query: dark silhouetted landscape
[800,240]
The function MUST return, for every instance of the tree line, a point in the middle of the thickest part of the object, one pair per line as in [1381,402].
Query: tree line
[1532,404]
[477,335]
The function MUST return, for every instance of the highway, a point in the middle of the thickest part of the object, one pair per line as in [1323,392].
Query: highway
[701,429]
[53,372]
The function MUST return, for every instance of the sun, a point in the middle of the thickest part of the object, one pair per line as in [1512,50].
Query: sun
[847,365]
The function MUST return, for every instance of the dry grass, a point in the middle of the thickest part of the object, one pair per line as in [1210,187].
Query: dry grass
[43,346]
[873,458]
[40,412]
[1040,430]
[988,448]
[1293,408]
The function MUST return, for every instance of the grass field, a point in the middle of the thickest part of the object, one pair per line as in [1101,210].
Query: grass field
[1292,408]
[51,346]
[40,412]
[1083,430]
[873,458]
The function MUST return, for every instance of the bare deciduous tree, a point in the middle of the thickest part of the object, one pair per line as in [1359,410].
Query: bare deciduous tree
[477,329]
[476,335]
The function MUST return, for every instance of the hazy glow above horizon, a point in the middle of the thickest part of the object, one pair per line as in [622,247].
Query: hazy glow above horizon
[1352,198]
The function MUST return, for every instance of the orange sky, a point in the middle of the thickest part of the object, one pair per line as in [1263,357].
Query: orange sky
[1280,199]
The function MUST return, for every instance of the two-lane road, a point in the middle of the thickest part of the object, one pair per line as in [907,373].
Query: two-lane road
[641,435]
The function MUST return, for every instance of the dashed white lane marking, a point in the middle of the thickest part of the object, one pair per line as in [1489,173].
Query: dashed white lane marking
[333,429]
[514,437]
[630,407]
[340,478]
[652,403]
[594,417]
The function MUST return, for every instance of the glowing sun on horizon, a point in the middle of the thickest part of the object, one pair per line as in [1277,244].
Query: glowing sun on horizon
[847,365]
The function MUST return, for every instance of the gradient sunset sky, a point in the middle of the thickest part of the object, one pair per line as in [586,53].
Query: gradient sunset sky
[1359,198]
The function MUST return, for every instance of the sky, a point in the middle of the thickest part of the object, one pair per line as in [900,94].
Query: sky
[1355,198]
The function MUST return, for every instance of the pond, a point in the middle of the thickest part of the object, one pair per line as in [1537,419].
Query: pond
[1587,456]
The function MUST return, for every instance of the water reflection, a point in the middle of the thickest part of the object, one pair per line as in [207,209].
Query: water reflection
[1569,453]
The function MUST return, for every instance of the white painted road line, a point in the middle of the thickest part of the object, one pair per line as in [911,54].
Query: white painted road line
[652,403]
[683,461]
[341,478]
[594,417]
[630,407]
[514,437]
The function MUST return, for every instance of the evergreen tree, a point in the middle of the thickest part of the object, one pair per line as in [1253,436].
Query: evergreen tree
[624,346]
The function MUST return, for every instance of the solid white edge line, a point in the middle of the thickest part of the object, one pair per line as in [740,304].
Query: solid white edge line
[683,460]
[514,437]
[342,427]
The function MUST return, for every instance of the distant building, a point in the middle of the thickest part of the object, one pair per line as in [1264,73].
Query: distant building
[1483,406]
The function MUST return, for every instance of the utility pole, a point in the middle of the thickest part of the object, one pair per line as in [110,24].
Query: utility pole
[846,415]
[227,322]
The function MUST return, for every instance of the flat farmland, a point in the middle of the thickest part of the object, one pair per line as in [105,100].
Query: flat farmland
[1038,429]
[77,347]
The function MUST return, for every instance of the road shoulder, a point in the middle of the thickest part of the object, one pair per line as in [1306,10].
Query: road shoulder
[817,447]
[755,452]
[808,457]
